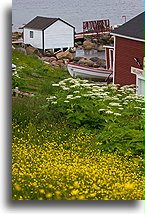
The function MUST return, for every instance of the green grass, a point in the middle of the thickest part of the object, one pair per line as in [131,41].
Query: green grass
[35,76]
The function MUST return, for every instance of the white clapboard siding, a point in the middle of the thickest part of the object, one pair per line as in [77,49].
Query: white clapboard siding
[36,41]
[58,35]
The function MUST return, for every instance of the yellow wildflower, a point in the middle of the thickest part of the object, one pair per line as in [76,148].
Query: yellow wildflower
[48,195]
[75,192]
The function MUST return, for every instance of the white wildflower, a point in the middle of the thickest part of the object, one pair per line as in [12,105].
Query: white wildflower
[109,112]
[64,88]
[21,67]
[117,114]
[76,92]
[50,98]
[115,98]
[62,83]
[77,96]
[54,102]
[73,86]
[137,107]
[66,101]
[54,84]
[114,104]
[69,96]
[86,95]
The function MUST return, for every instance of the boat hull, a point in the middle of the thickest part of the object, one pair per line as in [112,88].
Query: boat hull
[89,72]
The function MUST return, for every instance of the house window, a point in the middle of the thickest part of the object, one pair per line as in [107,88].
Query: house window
[31,34]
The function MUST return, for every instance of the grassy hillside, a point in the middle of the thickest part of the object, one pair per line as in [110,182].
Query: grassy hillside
[74,140]
[35,76]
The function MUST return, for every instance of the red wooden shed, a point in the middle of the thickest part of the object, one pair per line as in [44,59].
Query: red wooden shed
[128,53]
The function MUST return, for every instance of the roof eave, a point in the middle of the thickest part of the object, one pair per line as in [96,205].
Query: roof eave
[44,28]
[127,37]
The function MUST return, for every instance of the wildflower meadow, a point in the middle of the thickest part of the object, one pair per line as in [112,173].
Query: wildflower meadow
[75,139]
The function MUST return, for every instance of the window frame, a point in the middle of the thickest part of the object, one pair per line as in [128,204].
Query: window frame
[31,34]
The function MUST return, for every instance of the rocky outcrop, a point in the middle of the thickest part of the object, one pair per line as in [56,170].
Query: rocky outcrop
[94,42]
[48,59]
[98,62]
[88,45]
[16,93]
[16,35]
[86,62]
[100,48]
[65,55]
[72,50]
[77,58]
[49,53]
[33,51]
[21,50]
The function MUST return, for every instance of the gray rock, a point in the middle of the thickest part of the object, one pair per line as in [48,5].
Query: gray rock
[86,62]
[88,45]
[21,50]
[33,51]
[98,61]
[77,58]
[100,48]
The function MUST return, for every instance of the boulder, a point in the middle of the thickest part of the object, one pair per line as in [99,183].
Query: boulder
[49,53]
[106,37]
[60,61]
[46,58]
[65,61]
[96,65]
[77,58]
[21,50]
[95,41]
[100,48]
[88,45]
[16,35]
[33,51]
[94,59]
[57,63]
[49,59]
[86,62]
[65,55]
[102,63]
[76,44]
[72,50]
[98,62]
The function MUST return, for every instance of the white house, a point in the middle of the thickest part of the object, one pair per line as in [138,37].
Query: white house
[49,33]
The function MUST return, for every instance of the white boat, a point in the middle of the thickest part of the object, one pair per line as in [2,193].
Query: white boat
[97,74]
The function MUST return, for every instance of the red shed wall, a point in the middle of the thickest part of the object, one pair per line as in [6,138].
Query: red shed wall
[125,51]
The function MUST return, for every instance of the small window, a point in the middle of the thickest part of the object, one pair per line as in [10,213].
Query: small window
[31,34]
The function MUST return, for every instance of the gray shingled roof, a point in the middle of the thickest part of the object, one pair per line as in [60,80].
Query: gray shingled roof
[41,23]
[133,28]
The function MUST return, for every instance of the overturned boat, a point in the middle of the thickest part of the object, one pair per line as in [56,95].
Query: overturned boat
[96,74]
